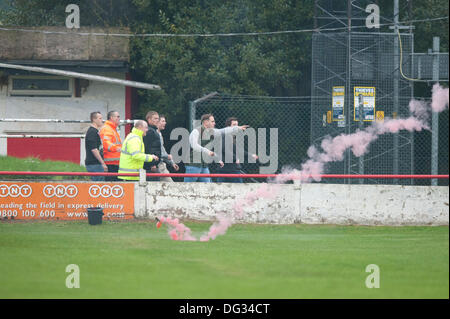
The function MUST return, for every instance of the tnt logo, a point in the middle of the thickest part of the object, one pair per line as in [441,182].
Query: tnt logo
[15,190]
[60,191]
[106,191]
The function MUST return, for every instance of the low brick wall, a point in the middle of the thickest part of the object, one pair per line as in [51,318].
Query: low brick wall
[307,203]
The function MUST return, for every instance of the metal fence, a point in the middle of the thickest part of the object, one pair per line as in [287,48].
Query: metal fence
[423,149]
[291,116]
[351,62]
[297,121]
[423,64]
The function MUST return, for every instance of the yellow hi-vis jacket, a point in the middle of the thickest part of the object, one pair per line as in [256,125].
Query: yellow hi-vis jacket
[132,156]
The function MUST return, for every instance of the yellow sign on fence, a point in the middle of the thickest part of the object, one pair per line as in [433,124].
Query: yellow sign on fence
[380,116]
[328,117]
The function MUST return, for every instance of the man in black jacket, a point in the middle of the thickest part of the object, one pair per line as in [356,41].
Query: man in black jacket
[152,143]
[229,146]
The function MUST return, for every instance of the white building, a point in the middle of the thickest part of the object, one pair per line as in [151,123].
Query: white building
[31,95]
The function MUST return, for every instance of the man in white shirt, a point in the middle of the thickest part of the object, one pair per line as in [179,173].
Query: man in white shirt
[200,155]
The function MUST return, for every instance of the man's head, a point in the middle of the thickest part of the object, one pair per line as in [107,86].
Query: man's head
[114,117]
[208,120]
[152,118]
[142,126]
[162,122]
[97,119]
[232,121]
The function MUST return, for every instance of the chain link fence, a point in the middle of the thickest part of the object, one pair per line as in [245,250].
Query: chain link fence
[290,116]
[423,151]
[352,63]
[355,75]
[296,120]
[424,63]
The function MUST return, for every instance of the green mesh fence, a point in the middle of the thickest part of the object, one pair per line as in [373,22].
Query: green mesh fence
[295,121]
[290,116]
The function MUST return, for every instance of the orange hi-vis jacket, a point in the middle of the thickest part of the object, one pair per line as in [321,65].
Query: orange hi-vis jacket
[111,143]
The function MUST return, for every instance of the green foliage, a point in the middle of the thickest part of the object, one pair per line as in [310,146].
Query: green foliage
[104,13]
[189,67]
[424,32]
[33,164]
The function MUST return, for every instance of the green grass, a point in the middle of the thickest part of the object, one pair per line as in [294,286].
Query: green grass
[137,260]
[33,164]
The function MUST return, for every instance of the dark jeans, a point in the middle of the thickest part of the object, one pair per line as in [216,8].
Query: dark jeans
[231,179]
[96,168]
[152,179]
[112,169]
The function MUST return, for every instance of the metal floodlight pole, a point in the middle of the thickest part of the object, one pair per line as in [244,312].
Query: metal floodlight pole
[193,108]
[208,96]
[85,76]
[435,116]
[347,168]
[396,88]
[191,115]
[412,89]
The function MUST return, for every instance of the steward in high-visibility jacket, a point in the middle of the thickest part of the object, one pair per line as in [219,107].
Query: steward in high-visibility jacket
[132,156]
[111,143]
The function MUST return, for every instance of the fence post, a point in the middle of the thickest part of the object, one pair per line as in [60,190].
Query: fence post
[142,177]
[435,116]
[396,74]
[191,115]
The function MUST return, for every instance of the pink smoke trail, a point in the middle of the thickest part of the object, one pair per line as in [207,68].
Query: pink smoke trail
[439,98]
[177,230]
[218,228]
[333,149]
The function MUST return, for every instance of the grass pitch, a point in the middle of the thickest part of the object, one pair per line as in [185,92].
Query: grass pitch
[137,260]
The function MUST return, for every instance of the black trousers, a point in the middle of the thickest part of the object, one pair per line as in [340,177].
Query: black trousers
[112,169]
[152,179]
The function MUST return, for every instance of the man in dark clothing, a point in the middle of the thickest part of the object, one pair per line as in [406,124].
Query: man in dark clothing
[94,148]
[152,143]
[229,147]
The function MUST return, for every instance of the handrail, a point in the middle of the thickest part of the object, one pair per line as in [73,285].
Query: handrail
[291,176]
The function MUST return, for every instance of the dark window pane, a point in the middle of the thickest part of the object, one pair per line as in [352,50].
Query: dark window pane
[41,84]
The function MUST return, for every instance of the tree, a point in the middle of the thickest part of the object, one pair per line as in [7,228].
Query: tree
[189,67]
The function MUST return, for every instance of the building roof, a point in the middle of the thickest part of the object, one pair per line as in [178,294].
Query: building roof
[83,44]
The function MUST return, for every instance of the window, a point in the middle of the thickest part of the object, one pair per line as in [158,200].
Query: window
[40,86]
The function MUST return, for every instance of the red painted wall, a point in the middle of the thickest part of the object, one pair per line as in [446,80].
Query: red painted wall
[58,149]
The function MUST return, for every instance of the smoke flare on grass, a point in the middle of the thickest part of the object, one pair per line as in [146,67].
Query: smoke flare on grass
[332,149]
[177,230]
